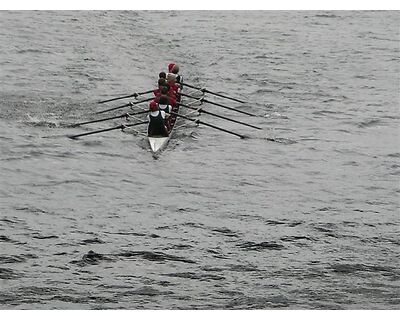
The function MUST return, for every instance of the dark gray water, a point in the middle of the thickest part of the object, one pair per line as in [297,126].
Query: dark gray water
[302,215]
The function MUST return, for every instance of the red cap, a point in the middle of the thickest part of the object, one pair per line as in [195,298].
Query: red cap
[153,106]
[170,66]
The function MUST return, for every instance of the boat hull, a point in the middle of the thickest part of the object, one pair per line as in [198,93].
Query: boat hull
[158,143]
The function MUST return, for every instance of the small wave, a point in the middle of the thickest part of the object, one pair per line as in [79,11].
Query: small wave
[274,222]
[217,254]
[370,123]
[7,239]
[17,258]
[252,303]
[296,238]
[326,15]
[8,274]
[31,209]
[197,276]
[181,246]
[284,141]
[327,232]
[91,241]
[262,56]
[44,237]
[91,258]
[325,112]
[154,256]
[226,232]
[144,291]
[11,221]
[394,155]
[11,259]
[276,115]
[194,225]
[244,268]
[22,51]
[36,122]
[250,245]
[358,267]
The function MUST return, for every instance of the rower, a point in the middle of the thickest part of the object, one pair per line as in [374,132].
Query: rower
[161,83]
[164,103]
[165,91]
[165,106]
[156,121]
[171,80]
[162,75]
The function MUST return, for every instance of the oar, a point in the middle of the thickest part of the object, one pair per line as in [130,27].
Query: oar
[214,93]
[208,124]
[125,105]
[200,110]
[122,126]
[219,105]
[125,115]
[136,94]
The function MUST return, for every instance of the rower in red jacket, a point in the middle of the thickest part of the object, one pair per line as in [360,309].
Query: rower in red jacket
[161,83]
[170,94]
[171,80]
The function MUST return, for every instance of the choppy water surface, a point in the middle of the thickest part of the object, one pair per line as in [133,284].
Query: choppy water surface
[303,214]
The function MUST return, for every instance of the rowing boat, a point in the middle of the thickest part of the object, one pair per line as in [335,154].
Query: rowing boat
[158,143]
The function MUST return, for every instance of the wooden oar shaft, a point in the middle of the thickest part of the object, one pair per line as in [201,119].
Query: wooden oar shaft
[229,108]
[219,105]
[191,86]
[222,96]
[214,93]
[122,126]
[219,116]
[125,105]
[127,115]
[128,96]
[208,125]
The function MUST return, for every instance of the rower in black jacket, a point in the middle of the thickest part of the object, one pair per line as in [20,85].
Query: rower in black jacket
[156,121]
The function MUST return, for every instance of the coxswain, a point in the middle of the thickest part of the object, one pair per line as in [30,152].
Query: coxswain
[156,121]
[175,71]
[170,67]
[173,68]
